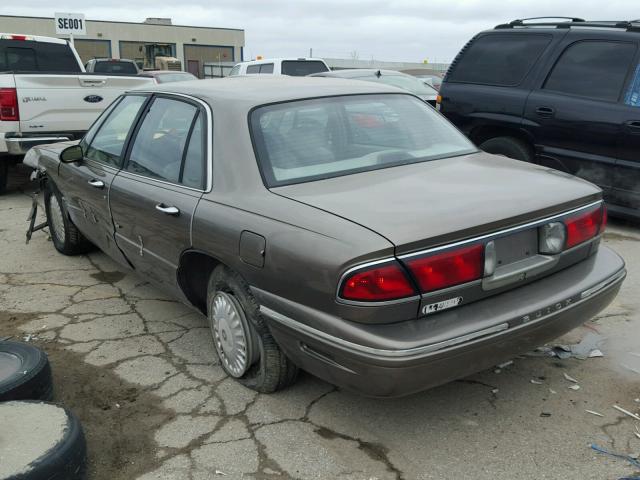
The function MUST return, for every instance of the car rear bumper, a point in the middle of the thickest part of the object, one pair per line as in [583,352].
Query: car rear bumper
[402,358]
[19,144]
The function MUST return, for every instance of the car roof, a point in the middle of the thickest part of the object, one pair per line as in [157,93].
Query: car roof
[358,72]
[257,90]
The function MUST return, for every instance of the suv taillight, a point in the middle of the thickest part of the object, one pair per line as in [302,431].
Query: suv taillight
[585,226]
[377,283]
[9,104]
[442,270]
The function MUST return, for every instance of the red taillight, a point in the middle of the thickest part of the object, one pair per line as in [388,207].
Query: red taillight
[584,226]
[22,38]
[9,104]
[377,283]
[446,269]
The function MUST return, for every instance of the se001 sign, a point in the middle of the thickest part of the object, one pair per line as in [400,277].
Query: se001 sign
[70,23]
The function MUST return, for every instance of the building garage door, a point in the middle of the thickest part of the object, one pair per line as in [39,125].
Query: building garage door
[88,49]
[195,57]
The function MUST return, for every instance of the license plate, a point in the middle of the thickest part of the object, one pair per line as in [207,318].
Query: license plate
[517,246]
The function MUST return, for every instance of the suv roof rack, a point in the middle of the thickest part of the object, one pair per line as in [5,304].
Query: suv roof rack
[628,25]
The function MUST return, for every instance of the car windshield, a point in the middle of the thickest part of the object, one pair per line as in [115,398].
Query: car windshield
[410,84]
[309,140]
[112,66]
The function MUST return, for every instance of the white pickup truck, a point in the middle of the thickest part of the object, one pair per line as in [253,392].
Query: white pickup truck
[46,96]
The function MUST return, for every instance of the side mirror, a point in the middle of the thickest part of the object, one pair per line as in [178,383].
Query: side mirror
[71,154]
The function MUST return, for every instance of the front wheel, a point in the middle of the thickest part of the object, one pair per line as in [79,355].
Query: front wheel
[65,236]
[246,349]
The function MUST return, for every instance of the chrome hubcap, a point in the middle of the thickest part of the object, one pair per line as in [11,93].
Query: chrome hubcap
[56,220]
[230,334]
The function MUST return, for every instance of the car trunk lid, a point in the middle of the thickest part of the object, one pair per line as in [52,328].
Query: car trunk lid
[437,202]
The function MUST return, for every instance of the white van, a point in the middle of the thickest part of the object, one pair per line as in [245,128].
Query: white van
[296,67]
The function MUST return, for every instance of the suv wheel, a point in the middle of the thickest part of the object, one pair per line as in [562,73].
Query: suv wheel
[244,344]
[509,147]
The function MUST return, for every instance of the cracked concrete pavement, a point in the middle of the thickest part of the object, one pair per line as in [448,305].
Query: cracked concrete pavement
[488,426]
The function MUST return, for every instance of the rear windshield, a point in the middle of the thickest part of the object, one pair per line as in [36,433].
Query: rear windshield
[499,59]
[114,66]
[300,68]
[309,140]
[406,82]
[31,56]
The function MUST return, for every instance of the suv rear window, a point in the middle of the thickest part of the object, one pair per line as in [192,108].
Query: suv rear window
[301,68]
[112,66]
[307,140]
[499,59]
[31,56]
[593,69]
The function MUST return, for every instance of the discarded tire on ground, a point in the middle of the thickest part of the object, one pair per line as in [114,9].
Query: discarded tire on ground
[25,373]
[40,441]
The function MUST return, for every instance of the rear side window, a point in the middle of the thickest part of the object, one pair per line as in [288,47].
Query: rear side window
[266,68]
[253,69]
[116,67]
[30,56]
[593,69]
[499,59]
[301,68]
[162,147]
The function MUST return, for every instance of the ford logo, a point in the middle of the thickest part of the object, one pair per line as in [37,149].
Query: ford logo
[93,98]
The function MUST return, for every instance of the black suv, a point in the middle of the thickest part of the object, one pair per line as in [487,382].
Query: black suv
[561,94]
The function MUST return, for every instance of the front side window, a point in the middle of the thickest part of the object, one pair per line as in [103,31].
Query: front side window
[253,69]
[108,143]
[592,69]
[499,59]
[309,140]
[266,68]
[161,143]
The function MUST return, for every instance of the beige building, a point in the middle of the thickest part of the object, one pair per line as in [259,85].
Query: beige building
[193,46]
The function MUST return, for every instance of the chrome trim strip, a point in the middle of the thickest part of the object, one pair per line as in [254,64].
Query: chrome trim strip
[429,348]
[602,285]
[493,235]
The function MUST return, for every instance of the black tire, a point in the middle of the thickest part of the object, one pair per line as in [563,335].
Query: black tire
[272,370]
[4,174]
[25,373]
[509,147]
[66,457]
[71,241]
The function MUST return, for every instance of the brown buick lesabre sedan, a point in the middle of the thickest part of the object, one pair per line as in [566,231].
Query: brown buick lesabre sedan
[337,226]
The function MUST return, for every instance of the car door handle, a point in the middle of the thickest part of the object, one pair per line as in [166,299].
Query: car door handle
[96,183]
[546,112]
[169,210]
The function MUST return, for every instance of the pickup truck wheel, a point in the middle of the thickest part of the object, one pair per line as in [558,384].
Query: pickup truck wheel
[66,237]
[243,342]
[509,147]
[4,174]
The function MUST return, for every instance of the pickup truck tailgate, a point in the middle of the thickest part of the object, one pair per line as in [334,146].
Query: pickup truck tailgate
[67,102]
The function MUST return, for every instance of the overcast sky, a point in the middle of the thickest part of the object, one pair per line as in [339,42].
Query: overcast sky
[392,30]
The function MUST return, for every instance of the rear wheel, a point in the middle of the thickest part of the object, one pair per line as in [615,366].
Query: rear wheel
[509,147]
[65,236]
[245,346]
